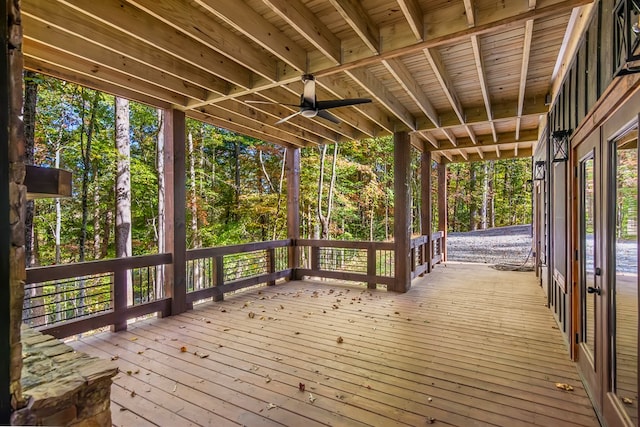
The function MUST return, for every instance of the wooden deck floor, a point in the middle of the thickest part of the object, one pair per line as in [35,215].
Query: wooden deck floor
[468,345]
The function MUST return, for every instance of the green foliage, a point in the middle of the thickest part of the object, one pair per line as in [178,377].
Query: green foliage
[234,192]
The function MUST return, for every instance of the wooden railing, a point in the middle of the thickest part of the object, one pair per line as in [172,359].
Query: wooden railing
[425,253]
[69,299]
[64,300]
[370,262]
[213,271]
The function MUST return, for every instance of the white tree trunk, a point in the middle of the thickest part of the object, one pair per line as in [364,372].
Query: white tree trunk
[159,286]
[123,187]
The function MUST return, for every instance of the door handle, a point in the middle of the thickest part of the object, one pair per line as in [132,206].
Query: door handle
[592,290]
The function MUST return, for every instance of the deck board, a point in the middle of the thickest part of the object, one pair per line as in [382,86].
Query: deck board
[467,345]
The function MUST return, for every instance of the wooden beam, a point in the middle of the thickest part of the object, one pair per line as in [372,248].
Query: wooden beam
[463,154]
[498,151]
[482,78]
[443,222]
[209,32]
[91,71]
[383,96]
[402,211]
[530,135]
[292,167]
[175,208]
[245,20]
[526,53]
[452,138]
[134,22]
[414,16]
[405,78]
[532,4]
[43,67]
[59,16]
[523,153]
[45,35]
[360,21]
[307,24]
[430,139]
[480,153]
[470,12]
[447,155]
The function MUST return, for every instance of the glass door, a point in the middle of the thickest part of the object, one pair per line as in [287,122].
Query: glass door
[590,289]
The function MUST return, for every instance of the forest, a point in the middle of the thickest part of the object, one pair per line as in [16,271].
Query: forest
[236,187]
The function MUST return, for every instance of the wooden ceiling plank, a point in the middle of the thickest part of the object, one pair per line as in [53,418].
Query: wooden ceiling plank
[43,67]
[482,77]
[61,17]
[307,24]
[39,31]
[210,33]
[372,113]
[507,154]
[437,65]
[237,128]
[404,77]
[136,23]
[526,54]
[491,26]
[530,136]
[414,16]
[72,63]
[360,21]
[470,12]
[227,115]
[383,96]
[248,22]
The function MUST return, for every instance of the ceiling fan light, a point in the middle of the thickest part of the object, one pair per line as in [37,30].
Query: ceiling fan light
[309,113]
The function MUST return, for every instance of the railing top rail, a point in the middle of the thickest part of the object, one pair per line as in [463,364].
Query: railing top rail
[348,244]
[436,235]
[66,271]
[235,249]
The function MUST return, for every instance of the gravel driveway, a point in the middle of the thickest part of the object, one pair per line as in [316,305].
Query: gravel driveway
[502,245]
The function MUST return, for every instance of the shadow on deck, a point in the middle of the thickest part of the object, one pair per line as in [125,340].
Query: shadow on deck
[467,345]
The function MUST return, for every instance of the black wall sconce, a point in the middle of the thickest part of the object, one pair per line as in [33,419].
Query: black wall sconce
[626,37]
[560,141]
[538,170]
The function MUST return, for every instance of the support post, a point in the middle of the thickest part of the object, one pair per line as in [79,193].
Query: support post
[426,208]
[442,207]
[292,164]
[402,211]
[175,209]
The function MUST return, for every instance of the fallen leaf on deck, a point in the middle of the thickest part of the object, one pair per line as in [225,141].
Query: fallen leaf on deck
[296,333]
[351,321]
[281,307]
[339,340]
[208,321]
[133,339]
[261,317]
[311,398]
[141,351]
[267,379]
[271,406]
[122,408]
[175,387]
[115,357]
[409,319]
[251,315]
[277,359]
[201,355]
[129,372]
[183,349]
[222,310]
[200,380]
[340,396]
[301,387]
[397,312]
[431,420]
[133,393]
[226,329]
[182,327]
[627,401]
[564,386]
[430,399]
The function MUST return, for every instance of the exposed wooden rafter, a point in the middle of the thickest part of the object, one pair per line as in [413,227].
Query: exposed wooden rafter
[359,20]
[526,53]
[482,78]
[470,12]
[413,14]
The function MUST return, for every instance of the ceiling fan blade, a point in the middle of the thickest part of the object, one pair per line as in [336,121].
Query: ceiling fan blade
[309,93]
[288,117]
[251,101]
[328,116]
[335,103]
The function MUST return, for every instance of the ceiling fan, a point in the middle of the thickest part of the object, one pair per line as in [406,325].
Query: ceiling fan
[310,107]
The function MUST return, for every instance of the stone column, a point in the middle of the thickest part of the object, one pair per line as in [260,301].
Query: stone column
[12,206]
[402,211]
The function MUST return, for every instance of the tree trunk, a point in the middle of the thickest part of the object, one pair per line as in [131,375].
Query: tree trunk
[279,202]
[492,213]
[324,220]
[161,195]
[194,211]
[485,196]
[96,216]
[57,232]
[123,187]
[29,118]
[237,177]
[472,200]
[456,201]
